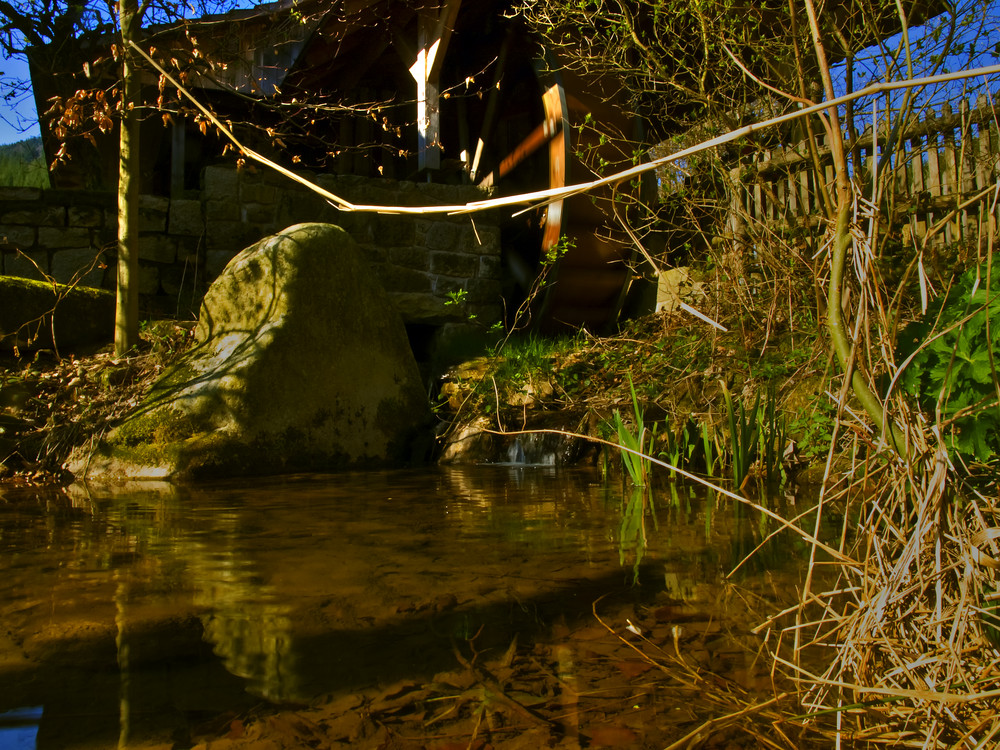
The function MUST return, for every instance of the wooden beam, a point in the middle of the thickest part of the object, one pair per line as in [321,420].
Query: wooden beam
[177,157]
[433,34]
[489,120]
[441,36]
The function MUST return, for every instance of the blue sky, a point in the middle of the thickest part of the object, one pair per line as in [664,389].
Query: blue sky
[18,119]
[15,116]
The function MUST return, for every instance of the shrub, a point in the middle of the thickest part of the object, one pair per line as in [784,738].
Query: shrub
[954,364]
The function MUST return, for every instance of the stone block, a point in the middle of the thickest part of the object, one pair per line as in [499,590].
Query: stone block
[425,308]
[445,285]
[225,210]
[81,316]
[330,214]
[408,257]
[483,239]
[20,193]
[350,222]
[153,213]
[185,217]
[490,267]
[258,213]
[39,216]
[454,264]
[221,184]
[149,279]
[487,315]
[363,227]
[106,236]
[154,203]
[85,263]
[180,278]
[157,248]
[392,231]
[55,238]
[483,292]
[22,238]
[27,264]
[228,235]
[256,192]
[298,207]
[396,279]
[440,235]
[84,216]
[188,249]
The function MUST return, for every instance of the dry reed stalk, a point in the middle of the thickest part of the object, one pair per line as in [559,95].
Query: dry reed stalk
[906,635]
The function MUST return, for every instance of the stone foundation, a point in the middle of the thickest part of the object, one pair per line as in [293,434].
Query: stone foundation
[186,241]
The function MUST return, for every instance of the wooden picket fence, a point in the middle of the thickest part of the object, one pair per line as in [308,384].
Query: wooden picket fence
[941,189]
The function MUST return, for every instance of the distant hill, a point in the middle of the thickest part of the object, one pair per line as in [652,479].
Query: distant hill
[22,164]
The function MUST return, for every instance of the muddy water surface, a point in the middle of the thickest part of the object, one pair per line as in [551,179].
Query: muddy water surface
[451,607]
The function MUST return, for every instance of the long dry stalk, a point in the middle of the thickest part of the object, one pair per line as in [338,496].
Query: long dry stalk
[905,639]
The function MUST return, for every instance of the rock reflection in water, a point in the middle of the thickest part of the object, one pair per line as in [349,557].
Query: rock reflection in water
[314,585]
[201,551]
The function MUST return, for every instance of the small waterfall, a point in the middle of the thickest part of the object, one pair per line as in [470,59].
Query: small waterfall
[515,453]
[535,450]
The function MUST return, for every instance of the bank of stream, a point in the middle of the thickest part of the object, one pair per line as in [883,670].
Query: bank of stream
[598,642]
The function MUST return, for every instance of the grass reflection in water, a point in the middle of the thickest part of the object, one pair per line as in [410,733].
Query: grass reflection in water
[416,608]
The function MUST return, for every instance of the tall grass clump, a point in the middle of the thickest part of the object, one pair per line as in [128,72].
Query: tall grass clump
[744,431]
[632,440]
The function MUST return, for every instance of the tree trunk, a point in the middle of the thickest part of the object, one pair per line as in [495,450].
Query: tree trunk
[127,300]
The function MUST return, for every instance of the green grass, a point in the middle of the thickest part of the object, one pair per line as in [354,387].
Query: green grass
[22,164]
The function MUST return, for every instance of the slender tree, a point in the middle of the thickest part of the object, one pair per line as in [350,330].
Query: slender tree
[53,31]
[127,296]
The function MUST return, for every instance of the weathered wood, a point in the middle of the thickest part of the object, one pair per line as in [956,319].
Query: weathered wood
[937,164]
[433,34]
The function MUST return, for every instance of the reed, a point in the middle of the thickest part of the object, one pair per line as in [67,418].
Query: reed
[772,440]
[708,448]
[744,431]
[632,442]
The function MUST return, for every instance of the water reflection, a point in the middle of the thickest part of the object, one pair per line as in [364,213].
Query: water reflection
[140,611]
[18,728]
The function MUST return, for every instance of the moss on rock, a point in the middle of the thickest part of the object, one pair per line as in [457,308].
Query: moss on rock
[29,310]
[302,363]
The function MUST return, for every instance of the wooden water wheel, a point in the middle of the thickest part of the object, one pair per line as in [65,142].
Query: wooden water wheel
[540,127]
[493,108]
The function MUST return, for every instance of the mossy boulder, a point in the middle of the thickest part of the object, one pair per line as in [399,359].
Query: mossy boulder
[29,310]
[301,363]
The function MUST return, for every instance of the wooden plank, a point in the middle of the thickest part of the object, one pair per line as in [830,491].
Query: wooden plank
[932,177]
[918,220]
[810,197]
[177,156]
[791,195]
[428,113]
[757,207]
[993,145]
[949,173]
[938,162]
[433,33]
[965,167]
[981,152]
[556,118]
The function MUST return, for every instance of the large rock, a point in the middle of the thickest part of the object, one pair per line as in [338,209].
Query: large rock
[301,364]
[82,316]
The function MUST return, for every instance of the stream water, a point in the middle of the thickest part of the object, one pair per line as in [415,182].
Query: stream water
[446,605]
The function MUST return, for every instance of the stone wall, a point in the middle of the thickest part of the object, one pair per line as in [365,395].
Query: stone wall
[185,242]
